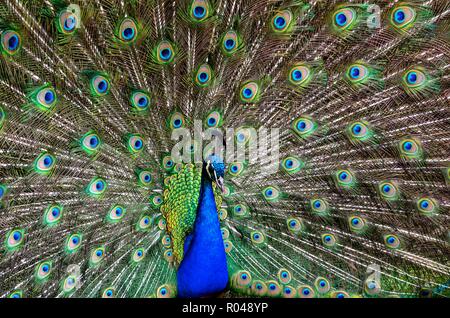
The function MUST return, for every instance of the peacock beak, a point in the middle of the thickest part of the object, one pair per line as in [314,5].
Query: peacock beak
[219,182]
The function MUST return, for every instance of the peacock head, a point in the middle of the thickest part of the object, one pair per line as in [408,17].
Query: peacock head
[215,169]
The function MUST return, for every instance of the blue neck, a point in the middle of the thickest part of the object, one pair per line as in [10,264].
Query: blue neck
[203,270]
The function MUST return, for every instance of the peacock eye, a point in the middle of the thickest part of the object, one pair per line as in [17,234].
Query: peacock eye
[176,121]
[292,165]
[156,200]
[165,291]
[392,241]
[14,239]
[230,43]
[249,92]
[228,246]
[3,190]
[243,278]
[115,214]
[259,288]
[282,21]
[144,178]
[166,241]
[322,285]
[357,73]
[357,224]
[304,127]
[44,163]
[10,42]
[168,255]
[44,98]
[138,255]
[240,210]
[273,288]
[96,187]
[144,223]
[109,292]
[388,190]
[43,270]
[225,233]
[67,22]
[235,169]
[73,243]
[165,53]
[299,75]
[284,276]
[345,178]
[203,76]
[410,148]
[344,18]
[214,119]
[257,237]
[16,294]
[99,85]
[340,294]
[319,206]
[427,206]
[359,131]
[329,240]
[403,17]
[140,101]
[295,225]
[97,255]
[90,142]
[128,30]
[2,117]
[305,291]
[135,143]
[53,214]
[200,10]
[271,193]
[69,284]
[414,78]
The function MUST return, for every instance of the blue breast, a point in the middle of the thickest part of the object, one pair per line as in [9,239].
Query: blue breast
[203,270]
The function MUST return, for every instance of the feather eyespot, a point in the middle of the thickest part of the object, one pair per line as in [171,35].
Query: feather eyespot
[138,255]
[306,291]
[90,142]
[96,187]
[427,206]
[43,270]
[97,255]
[14,239]
[53,214]
[67,22]
[299,75]
[230,43]
[164,53]
[282,21]
[115,214]
[140,101]
[109,292]
[322,285]
[73,243]
[392,241]
[403,17]
[45,163]
[10,42]
[100,85]
[127,31]
[344,18]
[134,143]
[284,276]
[328,240]
[304,127]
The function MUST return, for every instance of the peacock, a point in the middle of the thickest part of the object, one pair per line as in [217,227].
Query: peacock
[95,93]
